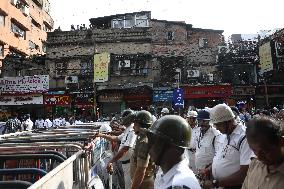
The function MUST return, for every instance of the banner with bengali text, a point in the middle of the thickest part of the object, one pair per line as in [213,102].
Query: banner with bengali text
[101,62]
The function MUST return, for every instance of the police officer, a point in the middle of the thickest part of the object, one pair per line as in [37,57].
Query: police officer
[231,161]
[168,138]
[127,140]
[165,111]
[27,124]
[206,140]
[192,121]
[141,167]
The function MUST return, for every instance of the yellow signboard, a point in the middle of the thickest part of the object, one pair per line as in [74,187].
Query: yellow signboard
[101,62]
[265,58]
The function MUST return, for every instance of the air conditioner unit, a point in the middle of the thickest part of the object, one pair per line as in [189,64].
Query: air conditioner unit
[223,49]
[26,11]
[193,73]
[71,79]
[210,77]
[14,2]
[124,64]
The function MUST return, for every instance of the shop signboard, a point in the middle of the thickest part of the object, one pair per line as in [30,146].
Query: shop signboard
[213,91]
[83,100]
[162,96]
[26,84]
[11,100]
[178,99]
[57,100]
[244,91]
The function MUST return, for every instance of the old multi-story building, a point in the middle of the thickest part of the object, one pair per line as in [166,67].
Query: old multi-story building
[148,57]
[270,89]
[23,27]
[23,31]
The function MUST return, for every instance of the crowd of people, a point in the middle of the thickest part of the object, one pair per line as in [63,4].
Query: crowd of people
[25,123]
[219,147]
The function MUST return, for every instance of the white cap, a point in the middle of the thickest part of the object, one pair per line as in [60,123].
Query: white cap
[165,111]
[105,128]
[191,114]
[221,113]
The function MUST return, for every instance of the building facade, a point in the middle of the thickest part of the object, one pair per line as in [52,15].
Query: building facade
[23,27]
[147,57]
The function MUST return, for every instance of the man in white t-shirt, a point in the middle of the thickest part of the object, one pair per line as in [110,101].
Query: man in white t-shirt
[28,124]
[127,140]
[232,159]
[191,119]
[47,123]
[39,123]
[206,140]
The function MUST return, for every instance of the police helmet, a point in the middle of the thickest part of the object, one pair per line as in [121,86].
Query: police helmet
[144,118]
[172,128]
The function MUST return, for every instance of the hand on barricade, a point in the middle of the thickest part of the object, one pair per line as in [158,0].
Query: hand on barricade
[204,174]
[206,184]
[110,168]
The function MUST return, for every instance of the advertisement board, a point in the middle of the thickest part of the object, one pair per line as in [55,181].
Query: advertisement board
[265,58]
[20,100]
[101,62]
[162,96]
[57,100]
[26,84]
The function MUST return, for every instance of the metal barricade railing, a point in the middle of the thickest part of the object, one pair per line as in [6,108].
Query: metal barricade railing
[69,147]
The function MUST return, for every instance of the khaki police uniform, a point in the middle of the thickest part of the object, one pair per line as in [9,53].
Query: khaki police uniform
[127,138]
[141,158]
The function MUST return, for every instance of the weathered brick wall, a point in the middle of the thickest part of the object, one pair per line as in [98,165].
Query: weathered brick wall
[123,48]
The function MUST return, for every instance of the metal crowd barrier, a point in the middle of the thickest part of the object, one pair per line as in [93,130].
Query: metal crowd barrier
[49,159]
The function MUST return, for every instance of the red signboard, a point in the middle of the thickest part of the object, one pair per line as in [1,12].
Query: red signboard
[57,100]
[214,91]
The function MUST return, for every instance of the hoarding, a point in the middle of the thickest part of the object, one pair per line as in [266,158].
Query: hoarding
[101,62]
[20,99]
[26,84]
[265,58]
[162,96]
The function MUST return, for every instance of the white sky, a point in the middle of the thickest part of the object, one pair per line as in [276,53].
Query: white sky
[233,16]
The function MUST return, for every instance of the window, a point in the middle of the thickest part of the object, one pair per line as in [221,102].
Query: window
[2,20]
[170,35]
[35,24]
[130,21]
[118,23]
[86,68]
[32,45]
[18,31]
[46,28]
[61,69]
[141,21]
[203,42]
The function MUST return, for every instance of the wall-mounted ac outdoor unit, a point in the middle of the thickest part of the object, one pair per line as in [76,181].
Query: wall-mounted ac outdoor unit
[71,79]
[26,11]
[193,73]
[210,77]
[14,2]
[124,64]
